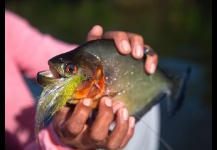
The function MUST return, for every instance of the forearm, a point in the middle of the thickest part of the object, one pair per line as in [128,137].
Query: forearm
[29,48]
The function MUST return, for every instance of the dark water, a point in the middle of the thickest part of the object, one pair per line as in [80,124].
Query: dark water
[191,127]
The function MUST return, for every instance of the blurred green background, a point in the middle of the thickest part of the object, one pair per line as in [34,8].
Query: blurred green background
[179,30]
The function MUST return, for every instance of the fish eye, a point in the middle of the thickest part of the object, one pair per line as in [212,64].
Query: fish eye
[71,68]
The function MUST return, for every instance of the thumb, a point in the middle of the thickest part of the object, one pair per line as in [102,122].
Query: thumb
[95,33]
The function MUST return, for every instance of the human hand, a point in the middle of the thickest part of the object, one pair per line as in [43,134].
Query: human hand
[72,128]
[126,43]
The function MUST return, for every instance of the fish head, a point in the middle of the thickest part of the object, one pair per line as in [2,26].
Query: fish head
[75,62]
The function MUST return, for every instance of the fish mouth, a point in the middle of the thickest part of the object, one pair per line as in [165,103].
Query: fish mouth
[93,87]
[50,76]
[45,78]
[54,71]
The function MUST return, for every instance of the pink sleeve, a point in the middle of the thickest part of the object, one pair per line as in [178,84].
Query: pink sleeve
[29,48]
[48,140]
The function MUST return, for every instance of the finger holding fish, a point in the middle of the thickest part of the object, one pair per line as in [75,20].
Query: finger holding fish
[95,33]
[152,59]
[70,125]
[139,49]
[70,122]
[120,130]
[126,43]
[75,124]
[130,132]
[122,41]
[100,127]
[137,44]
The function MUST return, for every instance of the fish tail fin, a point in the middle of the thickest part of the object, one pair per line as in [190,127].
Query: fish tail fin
[175,101]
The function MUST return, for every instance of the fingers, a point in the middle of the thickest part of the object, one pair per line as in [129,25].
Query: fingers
[137,45]
[73,131]
[124,125]
[127,43]
[95,33]
[131,42]
[105,116]
[62,115]
[121,40]
[72,123]
[71,128]
[120,131]
[129,132]
[117,105]
[151,59]
[75,124]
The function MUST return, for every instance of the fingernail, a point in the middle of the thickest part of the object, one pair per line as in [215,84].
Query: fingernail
[139,50]
[152,68]
[108,102]
[132,122]
[116,107]
[126,46]
[125,114]
[87,101]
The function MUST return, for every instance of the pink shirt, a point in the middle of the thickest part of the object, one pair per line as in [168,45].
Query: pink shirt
[26,50]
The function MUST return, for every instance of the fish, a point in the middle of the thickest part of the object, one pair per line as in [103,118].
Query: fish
[96,69]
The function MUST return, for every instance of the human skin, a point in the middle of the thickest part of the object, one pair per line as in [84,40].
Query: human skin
[70,123]
[127,43]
